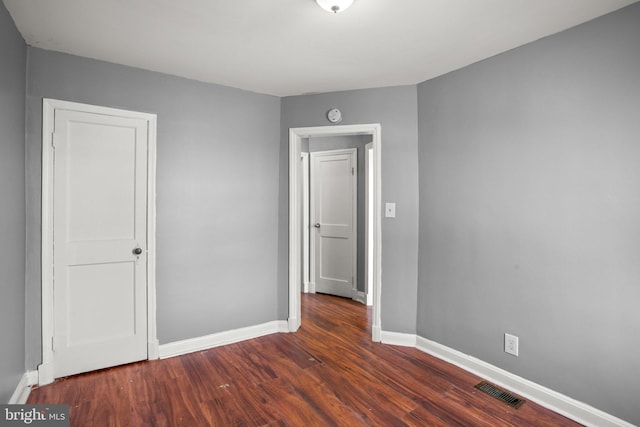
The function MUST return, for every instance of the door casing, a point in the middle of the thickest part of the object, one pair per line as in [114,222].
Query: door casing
[46,372]
[368,223]
[296,135]
[306,262]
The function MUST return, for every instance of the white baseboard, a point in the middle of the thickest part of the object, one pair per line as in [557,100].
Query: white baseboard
[395,338]
[293,324]
[23,389]
[282,326]
[222,338]
[557,402]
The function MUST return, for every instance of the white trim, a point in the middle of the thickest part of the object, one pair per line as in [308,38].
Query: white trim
[293,323]
[45,369]
[21,393]
[376,333]
[376,326]
[396,338]
[361,297]
[152,331]
[46,372]
[23,389]
[557,402]
[295,141]
[368,199]
[32,377]
[305,223]
[206,342]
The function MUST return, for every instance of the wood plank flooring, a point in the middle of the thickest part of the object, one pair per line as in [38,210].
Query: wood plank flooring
[329,373]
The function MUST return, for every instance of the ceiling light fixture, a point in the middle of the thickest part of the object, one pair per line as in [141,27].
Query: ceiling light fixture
[334,6]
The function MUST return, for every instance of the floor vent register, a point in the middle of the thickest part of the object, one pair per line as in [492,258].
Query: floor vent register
[500,394]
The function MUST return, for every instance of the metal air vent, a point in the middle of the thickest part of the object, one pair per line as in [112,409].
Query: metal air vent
[500,394]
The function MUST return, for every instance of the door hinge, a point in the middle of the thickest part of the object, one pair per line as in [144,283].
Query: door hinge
[53,140]
[53,343]
[353,171]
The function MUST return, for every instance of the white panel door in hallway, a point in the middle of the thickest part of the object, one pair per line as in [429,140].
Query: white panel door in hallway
[99,214]
[333,221]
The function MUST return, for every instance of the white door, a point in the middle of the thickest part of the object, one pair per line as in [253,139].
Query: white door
[333,222]
[99,240]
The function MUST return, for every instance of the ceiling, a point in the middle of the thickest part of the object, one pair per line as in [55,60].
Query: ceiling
[293,47]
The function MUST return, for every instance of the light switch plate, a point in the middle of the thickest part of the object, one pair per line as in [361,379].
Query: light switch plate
[390,210]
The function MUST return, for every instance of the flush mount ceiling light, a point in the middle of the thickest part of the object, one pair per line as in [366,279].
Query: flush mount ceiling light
[334,6]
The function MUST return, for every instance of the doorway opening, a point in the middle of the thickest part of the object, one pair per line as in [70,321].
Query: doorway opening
[296,217]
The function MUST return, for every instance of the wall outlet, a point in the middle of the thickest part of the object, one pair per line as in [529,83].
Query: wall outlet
[511,344]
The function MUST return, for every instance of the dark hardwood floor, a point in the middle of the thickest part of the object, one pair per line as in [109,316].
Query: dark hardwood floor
[329,373]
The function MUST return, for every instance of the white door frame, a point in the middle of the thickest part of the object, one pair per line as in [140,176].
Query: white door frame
[353,153]
[46,372]
[295,215]
[368,223]
[306,264]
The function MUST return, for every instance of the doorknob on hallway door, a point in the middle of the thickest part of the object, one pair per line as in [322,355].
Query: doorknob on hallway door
[137,251]
[316,225]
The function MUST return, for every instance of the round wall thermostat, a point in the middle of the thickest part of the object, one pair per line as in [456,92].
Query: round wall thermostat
[334,115]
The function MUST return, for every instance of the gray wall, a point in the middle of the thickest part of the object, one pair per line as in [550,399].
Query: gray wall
[527,177]
[530,211]
[217,191]
[395,108]
[359,142]
[13,51]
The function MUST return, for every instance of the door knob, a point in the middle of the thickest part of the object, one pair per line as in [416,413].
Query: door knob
[137,251]
[316,225]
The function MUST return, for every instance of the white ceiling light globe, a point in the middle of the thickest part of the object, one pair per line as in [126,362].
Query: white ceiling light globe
[334,6]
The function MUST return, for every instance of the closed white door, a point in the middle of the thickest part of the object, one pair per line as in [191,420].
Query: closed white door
[333,222]
[99,241]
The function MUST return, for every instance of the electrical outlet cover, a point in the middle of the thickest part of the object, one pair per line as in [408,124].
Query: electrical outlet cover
[511,344]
